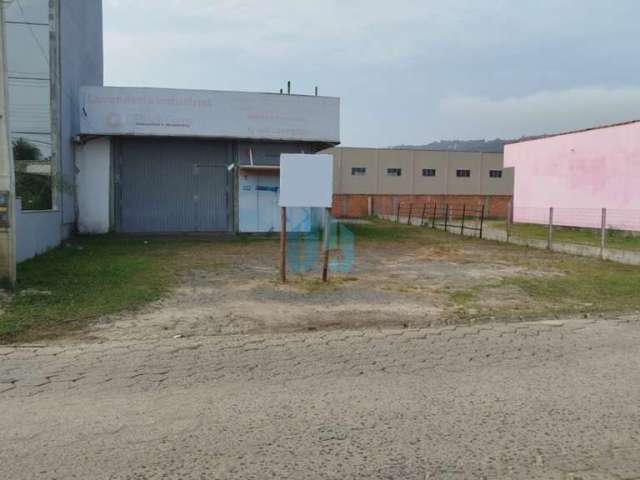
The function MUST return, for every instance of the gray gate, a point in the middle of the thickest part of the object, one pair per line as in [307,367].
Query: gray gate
[168,185]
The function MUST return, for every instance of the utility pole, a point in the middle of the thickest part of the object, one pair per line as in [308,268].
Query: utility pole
[7,173]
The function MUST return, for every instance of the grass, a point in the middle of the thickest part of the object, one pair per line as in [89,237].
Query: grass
[387,232]
[584,236]
[94,276]
[573,285]
[89,277]
[585,286]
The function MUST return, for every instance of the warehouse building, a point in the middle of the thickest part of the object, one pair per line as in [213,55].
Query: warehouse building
[94,159]
[375,181]
[165,161]
[578,174]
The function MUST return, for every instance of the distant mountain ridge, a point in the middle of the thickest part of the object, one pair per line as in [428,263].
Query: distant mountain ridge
[484,146]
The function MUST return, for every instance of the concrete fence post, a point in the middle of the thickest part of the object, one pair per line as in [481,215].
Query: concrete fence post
[509,220]
[603,234]
[550,232]
[370,206]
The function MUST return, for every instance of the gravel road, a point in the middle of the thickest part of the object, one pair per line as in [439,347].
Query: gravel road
[544,400]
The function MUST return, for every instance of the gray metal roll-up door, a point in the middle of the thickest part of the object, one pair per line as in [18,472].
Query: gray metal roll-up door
[172,185]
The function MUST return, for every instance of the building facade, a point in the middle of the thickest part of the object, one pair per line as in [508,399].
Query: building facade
[578,174]
[375,181]
[52,47]
[154,160]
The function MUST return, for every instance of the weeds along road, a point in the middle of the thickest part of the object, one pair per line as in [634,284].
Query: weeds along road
[546,400]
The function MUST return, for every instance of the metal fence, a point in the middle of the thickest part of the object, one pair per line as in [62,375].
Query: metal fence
[463,219]
[601,228]
[607,233]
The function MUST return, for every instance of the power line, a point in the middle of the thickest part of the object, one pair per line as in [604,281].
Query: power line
[74,103]
[33,34]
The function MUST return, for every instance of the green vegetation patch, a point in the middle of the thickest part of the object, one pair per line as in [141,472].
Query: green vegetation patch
[93,276]
[616,239]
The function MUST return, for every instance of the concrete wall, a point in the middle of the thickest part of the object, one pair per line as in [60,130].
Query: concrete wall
[93,163]
[592,169]
[376,181]
[81,63]
[36,231]
[431,160]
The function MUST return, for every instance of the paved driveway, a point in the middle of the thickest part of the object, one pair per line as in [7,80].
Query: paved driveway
[548,400]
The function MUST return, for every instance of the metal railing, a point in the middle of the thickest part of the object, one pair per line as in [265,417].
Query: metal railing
[459,218]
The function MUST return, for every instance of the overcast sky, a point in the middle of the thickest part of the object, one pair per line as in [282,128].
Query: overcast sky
[407,71]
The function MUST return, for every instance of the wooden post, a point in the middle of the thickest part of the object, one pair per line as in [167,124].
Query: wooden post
[370,206]
[550,233]
[482,221]
[398,212]
[509,220]
[325,246]
[283,244]
[603,234]
[464,211]
[410,212]
[424,210]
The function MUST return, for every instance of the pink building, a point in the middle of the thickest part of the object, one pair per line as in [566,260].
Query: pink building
[578,174]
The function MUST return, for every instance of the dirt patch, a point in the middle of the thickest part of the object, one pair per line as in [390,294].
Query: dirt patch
[399,285]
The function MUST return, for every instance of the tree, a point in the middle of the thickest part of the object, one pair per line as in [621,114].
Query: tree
[25,150]
[34,190]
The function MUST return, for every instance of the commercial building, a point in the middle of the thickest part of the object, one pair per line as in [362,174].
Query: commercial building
[374,181]
[51,48]
[579,173]
[164,161]
[94,159]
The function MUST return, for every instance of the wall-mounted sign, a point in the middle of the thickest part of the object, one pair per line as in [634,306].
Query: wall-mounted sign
[211,114]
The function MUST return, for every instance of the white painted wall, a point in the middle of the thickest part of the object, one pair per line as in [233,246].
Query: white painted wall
[93,177]
[36,231]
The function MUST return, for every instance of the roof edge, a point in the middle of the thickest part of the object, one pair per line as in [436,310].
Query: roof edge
[571,132]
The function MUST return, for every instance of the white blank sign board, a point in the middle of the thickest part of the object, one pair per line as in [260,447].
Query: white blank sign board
[306,180]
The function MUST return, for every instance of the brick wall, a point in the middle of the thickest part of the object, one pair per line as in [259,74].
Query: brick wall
[357,206]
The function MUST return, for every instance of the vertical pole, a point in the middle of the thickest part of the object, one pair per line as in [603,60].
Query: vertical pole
[435,213]
[603,234]
[283,244]
[410,212]
[509,220]
[464,211]
[550,233]
[370,206]
[482,221]
[325,246]
[424,210]
[446,217]
[398,213]
[7,171]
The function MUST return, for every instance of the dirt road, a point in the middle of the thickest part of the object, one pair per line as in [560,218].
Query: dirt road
[546,400]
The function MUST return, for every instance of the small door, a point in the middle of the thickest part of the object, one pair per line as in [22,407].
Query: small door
[268,209]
